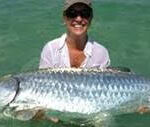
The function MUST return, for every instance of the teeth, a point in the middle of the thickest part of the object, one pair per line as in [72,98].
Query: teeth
[77,26]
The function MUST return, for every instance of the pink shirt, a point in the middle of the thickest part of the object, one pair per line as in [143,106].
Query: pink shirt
[55,54]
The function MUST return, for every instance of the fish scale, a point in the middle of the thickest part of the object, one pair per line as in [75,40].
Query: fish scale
[80,91]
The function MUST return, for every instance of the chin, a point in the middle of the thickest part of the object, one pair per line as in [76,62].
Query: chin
[80,33]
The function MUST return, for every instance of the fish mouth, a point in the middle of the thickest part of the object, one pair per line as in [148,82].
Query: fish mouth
[9,88]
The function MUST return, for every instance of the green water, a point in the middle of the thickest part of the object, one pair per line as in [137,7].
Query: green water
[121,26]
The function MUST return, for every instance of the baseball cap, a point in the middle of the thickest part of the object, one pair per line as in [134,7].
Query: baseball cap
[69,3]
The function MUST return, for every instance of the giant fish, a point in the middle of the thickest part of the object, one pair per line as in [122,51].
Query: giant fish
[90,96]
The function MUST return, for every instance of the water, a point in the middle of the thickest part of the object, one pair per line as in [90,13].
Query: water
[121,26]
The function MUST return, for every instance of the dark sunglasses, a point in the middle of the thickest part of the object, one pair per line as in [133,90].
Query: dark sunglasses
[73,13]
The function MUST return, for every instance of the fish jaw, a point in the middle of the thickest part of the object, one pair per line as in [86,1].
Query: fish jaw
[8,90]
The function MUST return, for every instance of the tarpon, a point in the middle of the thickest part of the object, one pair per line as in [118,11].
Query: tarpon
[89,94]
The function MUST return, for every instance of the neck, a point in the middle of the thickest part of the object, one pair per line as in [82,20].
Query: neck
[76,42]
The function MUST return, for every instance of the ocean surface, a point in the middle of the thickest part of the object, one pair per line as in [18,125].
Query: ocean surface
[122,26]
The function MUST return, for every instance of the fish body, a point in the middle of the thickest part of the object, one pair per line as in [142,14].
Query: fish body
[81,92]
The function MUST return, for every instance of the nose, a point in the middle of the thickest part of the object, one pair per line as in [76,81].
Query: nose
[78,18]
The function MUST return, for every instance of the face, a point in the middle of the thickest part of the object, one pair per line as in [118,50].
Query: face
[77,19]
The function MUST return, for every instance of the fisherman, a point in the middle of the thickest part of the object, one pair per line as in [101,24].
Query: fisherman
[74,48]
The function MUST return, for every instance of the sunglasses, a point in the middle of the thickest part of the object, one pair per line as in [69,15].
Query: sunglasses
[73,13]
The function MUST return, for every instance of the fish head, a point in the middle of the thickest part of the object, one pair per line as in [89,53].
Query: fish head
[8,90]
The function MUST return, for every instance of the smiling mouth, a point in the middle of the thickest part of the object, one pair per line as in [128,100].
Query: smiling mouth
[78,26]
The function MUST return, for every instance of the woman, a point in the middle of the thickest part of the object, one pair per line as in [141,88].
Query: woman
[75,48]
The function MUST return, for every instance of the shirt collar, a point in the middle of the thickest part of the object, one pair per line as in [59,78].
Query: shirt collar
[62,41]
[87,49]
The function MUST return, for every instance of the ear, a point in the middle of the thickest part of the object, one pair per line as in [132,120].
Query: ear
[64,19]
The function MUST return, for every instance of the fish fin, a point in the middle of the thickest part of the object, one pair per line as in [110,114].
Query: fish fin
[23,115]
[99,120]
[29,114]
[119,69]
[40,115]
[102,119]
[143,109]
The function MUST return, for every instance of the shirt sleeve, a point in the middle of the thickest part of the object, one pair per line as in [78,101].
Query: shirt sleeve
[46,57]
